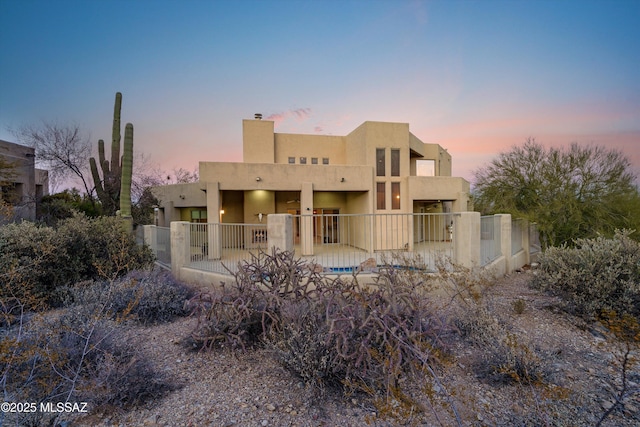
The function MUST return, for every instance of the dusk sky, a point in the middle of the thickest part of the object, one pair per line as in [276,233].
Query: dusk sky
[476,77]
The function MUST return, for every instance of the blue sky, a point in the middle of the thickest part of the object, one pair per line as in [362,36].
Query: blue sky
[476,77]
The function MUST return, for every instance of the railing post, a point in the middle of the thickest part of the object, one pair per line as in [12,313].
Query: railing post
[306,218]
[280,232]
[504,224]
[180,246]
[466,237]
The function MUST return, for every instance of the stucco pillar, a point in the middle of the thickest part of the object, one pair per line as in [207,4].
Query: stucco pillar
[306,218]
[180,246]
[149,235]
[466,236]
[214,230]
[280,232]
[504,222]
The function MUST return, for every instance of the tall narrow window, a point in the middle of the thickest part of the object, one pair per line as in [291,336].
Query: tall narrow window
[380,162]
[380,196]
[395,162]
[395,195]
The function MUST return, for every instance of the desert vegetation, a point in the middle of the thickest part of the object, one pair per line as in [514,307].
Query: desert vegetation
[68,296]
[410,347]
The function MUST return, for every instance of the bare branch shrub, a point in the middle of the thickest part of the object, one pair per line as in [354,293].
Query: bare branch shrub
[330,332]
[147,297]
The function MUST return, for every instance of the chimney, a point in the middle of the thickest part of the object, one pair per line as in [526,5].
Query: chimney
[258,116]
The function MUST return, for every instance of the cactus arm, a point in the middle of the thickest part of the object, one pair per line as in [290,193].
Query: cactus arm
[96,179]
[127,172]
[103,163]
[115,135]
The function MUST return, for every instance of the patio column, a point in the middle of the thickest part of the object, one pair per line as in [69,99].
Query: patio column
[180,246]
[214,234]
[280,232]
[306,218]
[504,221]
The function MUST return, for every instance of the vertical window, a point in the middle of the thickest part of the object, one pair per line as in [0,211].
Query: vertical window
[380,196]
[395,162]
[314,160]
[325,160]
[380,162]
[303,160]
[395,195]
[292,160]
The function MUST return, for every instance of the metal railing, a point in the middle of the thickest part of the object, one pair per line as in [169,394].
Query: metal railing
[489,239]
[220,247]
[534,239]
[517,228]
[342,243]
[160,244]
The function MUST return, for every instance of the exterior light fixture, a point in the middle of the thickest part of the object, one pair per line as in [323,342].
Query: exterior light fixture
[342,180]
[260,217]
[258,178]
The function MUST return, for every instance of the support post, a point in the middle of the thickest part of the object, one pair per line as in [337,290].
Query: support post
[466,236]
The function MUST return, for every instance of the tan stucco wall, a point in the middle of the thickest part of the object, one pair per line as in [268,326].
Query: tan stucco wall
[243,176]
[310,146]
[348,183]
[258,142]
[31,183]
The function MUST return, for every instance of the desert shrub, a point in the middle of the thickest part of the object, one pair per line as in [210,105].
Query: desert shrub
[503,357]
[597,274]
[38,260]
[519,306]
[76,355]
[144,296]
[329,332]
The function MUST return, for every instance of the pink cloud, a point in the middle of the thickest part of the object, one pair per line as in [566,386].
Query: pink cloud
[299,114]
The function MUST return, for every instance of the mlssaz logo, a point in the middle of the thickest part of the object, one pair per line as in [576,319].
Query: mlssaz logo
[53,407]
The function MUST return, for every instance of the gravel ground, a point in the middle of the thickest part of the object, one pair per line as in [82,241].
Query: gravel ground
[220,388]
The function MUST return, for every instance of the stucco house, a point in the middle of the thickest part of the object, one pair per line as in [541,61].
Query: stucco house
[22,185]
[378,168]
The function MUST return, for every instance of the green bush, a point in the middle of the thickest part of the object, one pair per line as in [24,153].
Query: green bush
[596,275]
[38,260]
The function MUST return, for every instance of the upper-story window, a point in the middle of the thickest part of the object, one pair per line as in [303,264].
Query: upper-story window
[380,162]
[292,160]
[381,195]
[314,160]
[395,162]
[325,160]
[395,195]
[425,167]
[303,160]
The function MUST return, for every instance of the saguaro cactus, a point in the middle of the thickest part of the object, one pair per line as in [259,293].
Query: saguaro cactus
[110,188]
[125,177]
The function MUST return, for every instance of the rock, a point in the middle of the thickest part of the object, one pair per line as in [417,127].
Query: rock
[367,265]
[270,407]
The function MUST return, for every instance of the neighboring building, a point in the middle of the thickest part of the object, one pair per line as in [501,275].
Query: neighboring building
[378,168]
[22,184]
